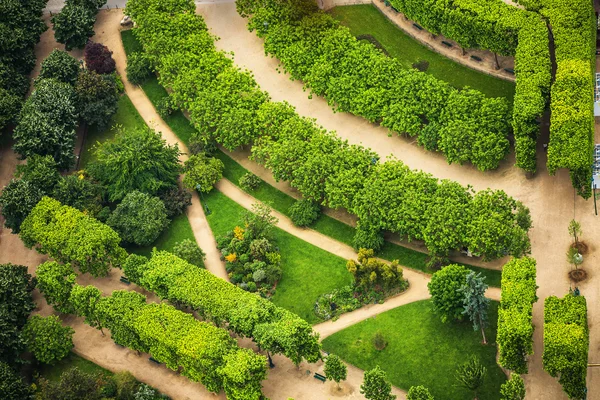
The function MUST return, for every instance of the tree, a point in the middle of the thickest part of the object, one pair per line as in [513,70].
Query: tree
[575,230]
[573,257]
[259,221]
[304,212]
[189,251]
[12,386]
[40,171]
[475,303]
[84,300]
[242,373]
[446,297]
[98,58]
[136,159]
[372,274]
[335,369]
[55,282]
[117,313]
[375,385]
[74,25]
[202,172]
[97,98]
[17,200]
[139,218]
[418,393]
[513,389]
[61,66]
[138,67]
[81,193]
[471,374]
[47,339]
[74,384]
[176,200]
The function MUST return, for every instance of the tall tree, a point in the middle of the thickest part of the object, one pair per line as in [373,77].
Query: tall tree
[97,98]
[335,369]
[48,339]
[476,305]
[375,385]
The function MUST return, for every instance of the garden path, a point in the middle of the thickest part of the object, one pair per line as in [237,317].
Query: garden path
[551,199]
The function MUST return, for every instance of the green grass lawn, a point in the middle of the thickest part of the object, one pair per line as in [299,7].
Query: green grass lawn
[53,372]
[421,350]
[308,271]
[367,19]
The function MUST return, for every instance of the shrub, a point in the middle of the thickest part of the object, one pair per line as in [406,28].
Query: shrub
[304,212]
[138,68]
[133,267]
[202,144]
[189,251]
[513,389]
[61,66]
[139,218]
[372,274]
[12,385]
[127,385]
[446,297]
[203,172]
[81,193]
[98,58]
[367,239]
[41,172]
[249,181]
[418,393]
[176,200]
[379,341]
[73,384]
[17,200]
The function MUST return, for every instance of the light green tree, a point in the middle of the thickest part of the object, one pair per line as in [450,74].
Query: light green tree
[335,369]
[47,339]
[513,389]
[375,385]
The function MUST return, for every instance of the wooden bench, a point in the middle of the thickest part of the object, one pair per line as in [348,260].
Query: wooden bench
[154,360]
[475,58]
[417,26]
[125,280]
[510,71]
[447,44]
[320,377]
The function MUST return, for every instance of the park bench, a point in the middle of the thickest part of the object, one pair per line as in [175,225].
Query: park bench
[417,26]
[510,71]
[320,377]
[125,280]
[475,58]
[154,360]
[447,44]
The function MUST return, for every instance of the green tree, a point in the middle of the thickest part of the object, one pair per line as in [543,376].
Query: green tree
[61,66]
[304,212]
[139,218]
[471,375]
[81,193]
[189,251]
[74,25]
[136,159]
[513,389]
[12,386]
[84,300]
[372,274]
[243,374]
[573,257]
[117,313]
[418,393]
[17,200]
[138,67]
[47,339]
[375,385]
[97,98]
[259,221]
[335,370]
[575,230]
[204,171]
[55,282]
[74,384]
[476,305]
[446,297]
[41,172]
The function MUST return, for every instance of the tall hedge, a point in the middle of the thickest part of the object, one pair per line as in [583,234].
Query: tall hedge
[566,343]
[515,327]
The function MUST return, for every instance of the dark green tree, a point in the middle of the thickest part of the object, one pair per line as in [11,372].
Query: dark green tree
[74,25]
[61,66]
[74,384]
[97,98]
[81,193]
[204,171]
[12,386]
[189,251]
[41,172]
[476,305]
[48,339]
[56,281]
[17,200]
[471,375]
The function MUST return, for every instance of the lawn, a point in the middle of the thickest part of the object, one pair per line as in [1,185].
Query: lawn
[421,350]
[368,20]
[308,271]
[53,372]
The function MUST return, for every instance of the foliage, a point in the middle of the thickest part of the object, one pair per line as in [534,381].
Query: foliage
[249,181]
[138,67]
[136,159]
[338,301]
[40,171]
[202,172]
[513,389]
[566,342]
[74,384]
[139,218]
[444,287]
[98,58]
[475,303]
[372,274]
[74,25]
[375,385]
[47,123]
[189,251]
[70,236]
[84,300]
[61,66]
[471,375]
[55,282]
[12,386]
[418,393]
[573,257]
[17,200]
[304,212]
[335,370]
[80,192]
[97,98]
[575,230]
[176,201]
[47,339]
[515,326]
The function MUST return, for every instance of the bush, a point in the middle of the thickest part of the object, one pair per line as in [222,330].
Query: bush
[418,393]
[97,98]
[202,144]
[338,301]
[176,200]
[73,384]
[249,181]
[304,212]
[12,386]
[81,193]
[367,239]
[446,297]
[127,385]
[369,273]
[138,68]
[41,172]
[513,389]
[17,200]
[202,171]
[61,66]
[165,107]
[98,58]
[379,341]
[189,251]
[139,219]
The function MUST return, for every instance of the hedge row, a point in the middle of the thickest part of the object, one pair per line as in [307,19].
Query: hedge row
[20,28]
[273,328]
[356,77]
[70,236]
[515,327]
[228,104]
[566,342]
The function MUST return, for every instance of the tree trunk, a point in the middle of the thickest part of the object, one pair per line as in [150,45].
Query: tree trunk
[482,331]
[496,59]
[463,51]
[102,332]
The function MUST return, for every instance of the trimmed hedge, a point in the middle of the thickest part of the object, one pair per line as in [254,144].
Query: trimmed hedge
[566,342]
[515,327]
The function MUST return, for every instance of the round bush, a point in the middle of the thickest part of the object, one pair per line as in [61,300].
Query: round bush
[304,212]
[203,172]
[98,58]
[249,181]
[189,251]
[445,295]
[138,68]
[367,239]
[61,66]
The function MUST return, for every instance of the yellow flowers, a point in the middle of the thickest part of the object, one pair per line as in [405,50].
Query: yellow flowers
[231,257]
[238,233]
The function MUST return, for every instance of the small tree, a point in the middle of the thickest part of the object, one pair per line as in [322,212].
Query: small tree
[304,212]
[375,385]
[203,171]
[575,230]
[444,288]
[475,303]
[47,339]
[98,58]
[138,68]
[61,66]
[371,273]
[189,251]
[335,369]
[73,384]
[259,222]
[56,281]
[470,375]
[74,25]
[418,393]
[84,300]
[513,389]
[41,172]
[573,257]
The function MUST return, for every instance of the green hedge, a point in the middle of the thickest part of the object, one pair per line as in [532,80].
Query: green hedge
[515,327]
[566,342]
[228,104]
